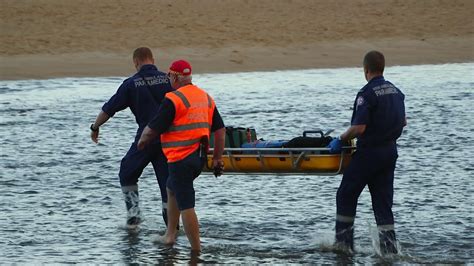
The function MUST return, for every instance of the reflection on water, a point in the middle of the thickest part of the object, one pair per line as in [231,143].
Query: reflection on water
[62,202]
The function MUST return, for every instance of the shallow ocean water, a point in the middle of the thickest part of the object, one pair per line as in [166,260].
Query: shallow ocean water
[61,200]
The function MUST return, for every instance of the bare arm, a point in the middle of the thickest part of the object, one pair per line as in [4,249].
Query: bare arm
[102,117]
[352,132]
[148,135]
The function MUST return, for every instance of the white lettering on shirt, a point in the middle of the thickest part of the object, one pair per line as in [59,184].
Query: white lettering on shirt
[155,80]
[384,89]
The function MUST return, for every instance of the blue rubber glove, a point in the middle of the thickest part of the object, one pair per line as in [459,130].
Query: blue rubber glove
[335,145]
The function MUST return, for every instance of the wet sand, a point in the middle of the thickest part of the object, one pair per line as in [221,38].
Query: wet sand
[46,38]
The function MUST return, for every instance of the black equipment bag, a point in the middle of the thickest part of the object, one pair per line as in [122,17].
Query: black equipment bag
[309,142]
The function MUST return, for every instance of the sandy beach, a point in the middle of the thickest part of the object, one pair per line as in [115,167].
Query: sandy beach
[47,38]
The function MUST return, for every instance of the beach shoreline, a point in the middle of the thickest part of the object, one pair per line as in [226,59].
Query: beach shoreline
[48,39]
[240,59]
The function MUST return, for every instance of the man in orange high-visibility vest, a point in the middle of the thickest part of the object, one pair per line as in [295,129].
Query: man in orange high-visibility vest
[185,121]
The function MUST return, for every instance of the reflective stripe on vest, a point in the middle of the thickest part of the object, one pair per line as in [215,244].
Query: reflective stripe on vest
[186,102]
[209,101]
[183,98]
[189,126]
[180,143]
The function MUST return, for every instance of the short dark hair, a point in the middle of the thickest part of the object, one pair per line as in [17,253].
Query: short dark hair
[142,54]
[374,61]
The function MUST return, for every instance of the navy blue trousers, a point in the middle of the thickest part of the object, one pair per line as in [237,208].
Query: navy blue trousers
[375,168]
[133,163]
[182,175]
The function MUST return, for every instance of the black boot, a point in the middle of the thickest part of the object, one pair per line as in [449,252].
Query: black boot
[388,242]
[345,237]
[133,210]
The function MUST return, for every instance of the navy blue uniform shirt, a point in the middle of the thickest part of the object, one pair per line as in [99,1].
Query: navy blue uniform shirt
[380,106]
[142,93]
[164,118]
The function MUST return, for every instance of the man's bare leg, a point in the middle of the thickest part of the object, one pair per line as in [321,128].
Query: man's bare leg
[173,219]
[191,228]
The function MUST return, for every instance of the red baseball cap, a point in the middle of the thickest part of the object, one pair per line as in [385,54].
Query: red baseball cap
[181,67]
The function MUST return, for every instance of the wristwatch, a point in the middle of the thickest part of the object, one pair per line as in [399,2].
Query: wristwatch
[94,129]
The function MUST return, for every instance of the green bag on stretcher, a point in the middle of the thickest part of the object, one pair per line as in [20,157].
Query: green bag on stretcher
[236,136]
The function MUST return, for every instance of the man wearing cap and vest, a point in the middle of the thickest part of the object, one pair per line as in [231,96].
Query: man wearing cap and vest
[377,122]
[185,121]
[142,93]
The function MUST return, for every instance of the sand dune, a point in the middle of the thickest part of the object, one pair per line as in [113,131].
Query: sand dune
[47,38]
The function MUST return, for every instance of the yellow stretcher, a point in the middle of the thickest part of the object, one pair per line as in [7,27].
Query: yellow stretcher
[315,161]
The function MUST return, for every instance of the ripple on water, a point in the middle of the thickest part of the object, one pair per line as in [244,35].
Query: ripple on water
[63,203]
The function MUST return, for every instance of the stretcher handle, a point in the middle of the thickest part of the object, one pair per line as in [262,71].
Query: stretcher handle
[317,131]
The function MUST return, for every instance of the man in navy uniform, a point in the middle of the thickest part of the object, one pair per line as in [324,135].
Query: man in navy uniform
[142,93]
[377,122]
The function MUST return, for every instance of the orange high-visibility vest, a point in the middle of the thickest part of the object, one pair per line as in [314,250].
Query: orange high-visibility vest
[192,121]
